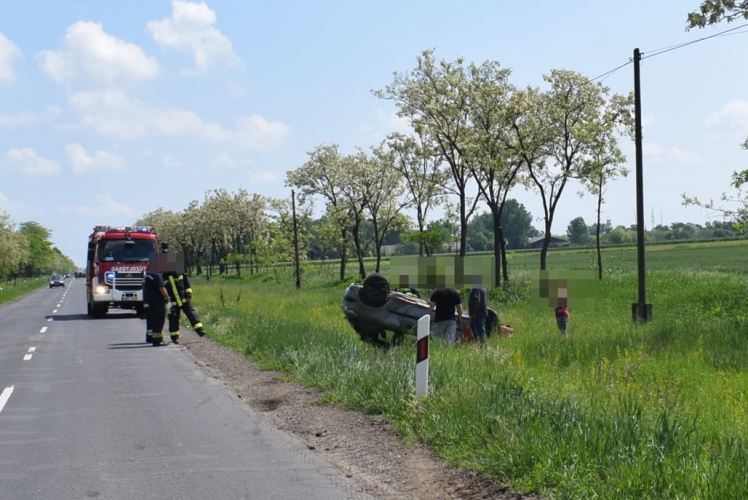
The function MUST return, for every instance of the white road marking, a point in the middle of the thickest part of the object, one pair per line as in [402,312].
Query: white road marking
[5,396]
[32,349]
[58,305]
[27,357]
[49,319]
[44,329]
[54,311]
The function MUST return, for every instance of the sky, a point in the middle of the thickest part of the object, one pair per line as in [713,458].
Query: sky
[110,110]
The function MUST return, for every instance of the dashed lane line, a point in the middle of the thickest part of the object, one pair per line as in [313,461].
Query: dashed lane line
[29,354]
[4,396]
[44,329]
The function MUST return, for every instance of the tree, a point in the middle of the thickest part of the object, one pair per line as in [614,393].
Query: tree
[41,255]
[715,11]
[435,99]
[495,167]
[386,197]
[573,113]
[357,177]
[419,168]
[517,224]
[605,159]
[738,213]
[322,176]
[14,248]
[577,232]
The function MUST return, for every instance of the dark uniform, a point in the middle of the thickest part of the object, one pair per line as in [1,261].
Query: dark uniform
[155,307]
[180,293]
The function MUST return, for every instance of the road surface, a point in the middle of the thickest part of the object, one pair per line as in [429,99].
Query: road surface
[88,410]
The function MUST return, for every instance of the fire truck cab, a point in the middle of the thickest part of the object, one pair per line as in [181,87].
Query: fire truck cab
[116,264]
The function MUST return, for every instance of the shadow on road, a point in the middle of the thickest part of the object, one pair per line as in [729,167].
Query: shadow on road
[134,345]
[83,316]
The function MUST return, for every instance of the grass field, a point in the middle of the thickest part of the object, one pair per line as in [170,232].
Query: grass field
[13,289]
[617,410]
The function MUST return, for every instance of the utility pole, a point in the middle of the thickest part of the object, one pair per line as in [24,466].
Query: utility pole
[641,310]
[295,241]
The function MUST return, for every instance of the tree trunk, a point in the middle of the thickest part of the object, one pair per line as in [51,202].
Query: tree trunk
[597,235]
[359,250]
[343,253]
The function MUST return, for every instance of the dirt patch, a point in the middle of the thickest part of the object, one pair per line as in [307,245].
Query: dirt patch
[362,445]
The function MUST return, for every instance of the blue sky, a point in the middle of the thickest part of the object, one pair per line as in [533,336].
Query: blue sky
[109,110]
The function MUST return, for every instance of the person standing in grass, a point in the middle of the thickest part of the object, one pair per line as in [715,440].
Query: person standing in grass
[478,309]
[444,326]
[562,311]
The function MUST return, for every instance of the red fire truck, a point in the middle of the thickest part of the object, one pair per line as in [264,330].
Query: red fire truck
[117,261]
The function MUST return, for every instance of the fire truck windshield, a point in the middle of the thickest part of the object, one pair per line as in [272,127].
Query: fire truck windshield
[126,250]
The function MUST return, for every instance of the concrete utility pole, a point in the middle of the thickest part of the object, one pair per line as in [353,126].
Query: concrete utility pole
[641,310]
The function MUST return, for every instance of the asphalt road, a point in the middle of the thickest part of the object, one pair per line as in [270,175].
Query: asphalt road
[88,410]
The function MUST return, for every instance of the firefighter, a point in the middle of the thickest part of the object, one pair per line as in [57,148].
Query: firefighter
[155,302]
[180,293]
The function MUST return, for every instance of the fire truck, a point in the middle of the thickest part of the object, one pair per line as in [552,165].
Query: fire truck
[116,264]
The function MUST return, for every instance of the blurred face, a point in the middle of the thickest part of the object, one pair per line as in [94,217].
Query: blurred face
[166,262]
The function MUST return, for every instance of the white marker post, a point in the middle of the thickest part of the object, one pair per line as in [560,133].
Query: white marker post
[422,356]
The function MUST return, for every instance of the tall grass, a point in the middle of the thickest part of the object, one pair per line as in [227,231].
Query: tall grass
[10,290]
[616,410]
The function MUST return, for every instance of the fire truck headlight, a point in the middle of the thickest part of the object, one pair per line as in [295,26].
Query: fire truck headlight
[102,289]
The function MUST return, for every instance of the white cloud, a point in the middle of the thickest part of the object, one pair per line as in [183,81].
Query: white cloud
[169,161]
[107,206]
[113,113]
[8,52]
[30,163]
[658,154]
[83,162]
[224,160]
[190,29]
[258,134]
[88,53]
[235,89]
[732,114]
[29,119]
[266,177]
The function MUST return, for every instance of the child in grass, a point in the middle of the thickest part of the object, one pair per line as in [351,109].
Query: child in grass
[562,311]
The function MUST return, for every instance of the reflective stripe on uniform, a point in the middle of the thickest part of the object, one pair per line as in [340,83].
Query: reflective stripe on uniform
[174,289]
[197,326]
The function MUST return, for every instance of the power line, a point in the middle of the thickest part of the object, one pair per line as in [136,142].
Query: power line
[658,52]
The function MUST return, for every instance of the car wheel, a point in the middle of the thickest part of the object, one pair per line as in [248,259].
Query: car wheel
[375,290]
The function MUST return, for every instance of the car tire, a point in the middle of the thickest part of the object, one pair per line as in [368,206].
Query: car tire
[375,290]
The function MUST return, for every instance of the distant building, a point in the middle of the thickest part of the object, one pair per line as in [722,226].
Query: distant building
[553,243]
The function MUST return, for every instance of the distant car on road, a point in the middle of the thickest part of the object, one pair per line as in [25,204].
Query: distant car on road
[67,275]
[56,281]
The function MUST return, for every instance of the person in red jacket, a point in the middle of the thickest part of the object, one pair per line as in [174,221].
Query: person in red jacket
[562,311]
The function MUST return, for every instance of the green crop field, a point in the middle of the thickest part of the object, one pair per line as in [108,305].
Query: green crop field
[617,410]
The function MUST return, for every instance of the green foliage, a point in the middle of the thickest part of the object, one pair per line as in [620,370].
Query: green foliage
[616,410]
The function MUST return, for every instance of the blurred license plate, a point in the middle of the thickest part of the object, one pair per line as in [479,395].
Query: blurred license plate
[128,297]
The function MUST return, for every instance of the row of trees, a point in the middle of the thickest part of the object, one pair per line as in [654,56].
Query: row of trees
[579,233]
[27,252]
[473,132]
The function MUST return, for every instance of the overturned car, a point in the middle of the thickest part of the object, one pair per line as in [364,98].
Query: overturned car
[373,310]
